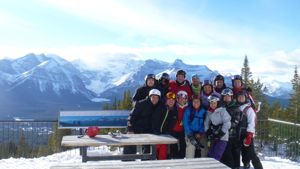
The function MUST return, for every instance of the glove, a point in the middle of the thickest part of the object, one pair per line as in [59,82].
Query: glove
[195,142]
[248,139]
[219,134]
[209,134]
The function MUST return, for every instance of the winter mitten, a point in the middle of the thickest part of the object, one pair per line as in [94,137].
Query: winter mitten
[219,134]
[192,139]
[195,142]
[248,139]
[209,134]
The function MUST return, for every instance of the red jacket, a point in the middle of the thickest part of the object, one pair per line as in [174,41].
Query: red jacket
[175,88]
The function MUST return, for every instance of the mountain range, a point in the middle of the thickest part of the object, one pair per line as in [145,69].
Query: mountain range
[38,86]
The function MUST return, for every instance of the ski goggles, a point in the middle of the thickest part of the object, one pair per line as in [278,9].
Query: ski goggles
[171,95]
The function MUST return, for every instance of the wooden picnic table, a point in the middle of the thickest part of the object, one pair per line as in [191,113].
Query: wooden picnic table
[122,140]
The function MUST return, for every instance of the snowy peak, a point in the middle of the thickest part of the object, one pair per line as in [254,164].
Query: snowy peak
[278,89]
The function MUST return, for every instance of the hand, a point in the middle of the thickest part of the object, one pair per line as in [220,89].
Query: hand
[195,142]
[192,139]
[219,134]
[248,139]
[198,135]
[209,134]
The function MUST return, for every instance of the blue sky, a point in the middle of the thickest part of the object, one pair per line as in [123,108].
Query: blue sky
[211,32]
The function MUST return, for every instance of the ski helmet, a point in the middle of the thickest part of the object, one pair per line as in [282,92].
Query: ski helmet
[213,98]
[196,76]
[180,72]
[150,76]
[154,92]
[181,94]
[227,91]
[207,82]
[92,131]
[219,77]
[165,76]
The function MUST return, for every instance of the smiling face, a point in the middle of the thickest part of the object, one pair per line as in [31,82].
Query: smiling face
[150,82]
[154,99]
[196,103]
[213,104]
[180,78]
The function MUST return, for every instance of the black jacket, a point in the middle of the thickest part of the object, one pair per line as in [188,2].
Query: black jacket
[141,115]
[162,121]
[141,93]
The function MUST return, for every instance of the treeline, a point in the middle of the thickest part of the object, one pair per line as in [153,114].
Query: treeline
[276,134]
[26,146]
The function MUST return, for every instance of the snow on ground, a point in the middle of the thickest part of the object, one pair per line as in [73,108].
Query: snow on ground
[72,156]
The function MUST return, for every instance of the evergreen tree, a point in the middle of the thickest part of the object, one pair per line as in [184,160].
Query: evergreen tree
[246,73]
[22,149]
[293,110]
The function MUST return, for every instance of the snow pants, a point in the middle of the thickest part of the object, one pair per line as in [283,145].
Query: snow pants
[217,149]
[190,148]
[249,154]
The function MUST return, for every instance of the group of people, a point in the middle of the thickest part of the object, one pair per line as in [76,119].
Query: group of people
[208,118]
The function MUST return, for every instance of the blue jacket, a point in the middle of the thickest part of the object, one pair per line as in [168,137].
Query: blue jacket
[194,124]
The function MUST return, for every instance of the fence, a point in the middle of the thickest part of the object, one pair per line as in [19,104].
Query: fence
[278,138]
[32,138]
[29,138]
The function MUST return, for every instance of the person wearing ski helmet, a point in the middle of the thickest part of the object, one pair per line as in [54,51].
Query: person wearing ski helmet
[207,90]
[163,84]
[177,129]
[196,84]
[247,125]
[139,120]
[231,155]
[162,123]
[180,84]
[193,121]
[143,91]
[237,83]
[217,124]
[219,83]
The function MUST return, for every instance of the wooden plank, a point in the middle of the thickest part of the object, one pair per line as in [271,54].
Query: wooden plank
[125,139]
[195,163]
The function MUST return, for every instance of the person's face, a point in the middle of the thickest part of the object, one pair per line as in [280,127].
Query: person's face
[170,102]
[207,89]
[180,78]
[237,83]
[219,83]
[241,98]
[227,98]
[195,81]
[196,103]
[150,82]
[213,105]
[154,99]
[181,100]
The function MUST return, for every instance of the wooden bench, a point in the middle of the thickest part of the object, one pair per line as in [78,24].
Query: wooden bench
[195,163]
[123,140]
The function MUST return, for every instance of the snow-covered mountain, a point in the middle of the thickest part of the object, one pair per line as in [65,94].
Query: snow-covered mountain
[278,89]
[48,83]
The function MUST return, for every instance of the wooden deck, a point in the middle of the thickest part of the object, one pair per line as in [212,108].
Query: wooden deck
[195,163]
